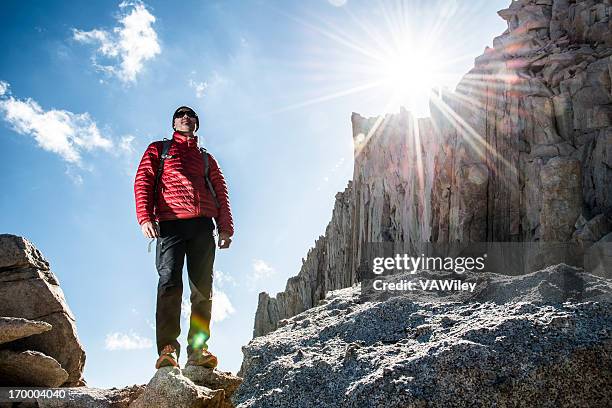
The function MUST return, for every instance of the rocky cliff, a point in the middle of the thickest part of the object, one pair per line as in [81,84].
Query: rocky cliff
[521,151]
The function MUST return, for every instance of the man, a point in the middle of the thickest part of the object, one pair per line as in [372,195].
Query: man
[177,198]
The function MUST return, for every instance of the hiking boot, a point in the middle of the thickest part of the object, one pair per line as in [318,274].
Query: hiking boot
[168,357]
[202,358]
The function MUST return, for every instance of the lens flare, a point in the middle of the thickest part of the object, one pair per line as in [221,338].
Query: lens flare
[395,55]
[201,327]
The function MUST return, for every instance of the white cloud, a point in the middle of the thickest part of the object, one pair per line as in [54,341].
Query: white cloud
[222,306]
[337,3]
[76,178]
[125,143]
[4,87]
[199,87]
[261,270]
[210,85]
[59,131]
[262,275]
[122,341]
[132,43]
[221,278]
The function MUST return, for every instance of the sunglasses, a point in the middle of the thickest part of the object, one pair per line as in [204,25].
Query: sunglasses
[189,113]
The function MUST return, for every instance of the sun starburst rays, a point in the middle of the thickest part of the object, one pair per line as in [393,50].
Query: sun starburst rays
[391,56]
[399,56]
[477,142]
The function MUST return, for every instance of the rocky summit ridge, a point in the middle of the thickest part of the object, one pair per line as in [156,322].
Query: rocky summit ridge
[521,151]
[537,340]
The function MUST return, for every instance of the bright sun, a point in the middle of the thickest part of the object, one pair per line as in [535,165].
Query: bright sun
[396,56]
[409,76]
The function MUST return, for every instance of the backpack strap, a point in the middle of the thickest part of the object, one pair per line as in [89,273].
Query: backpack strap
[208,183]
[160,169]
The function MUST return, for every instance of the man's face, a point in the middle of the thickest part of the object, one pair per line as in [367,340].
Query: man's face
[185,120]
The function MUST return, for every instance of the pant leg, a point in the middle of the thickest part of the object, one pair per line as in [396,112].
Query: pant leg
[200,260]
[170,258]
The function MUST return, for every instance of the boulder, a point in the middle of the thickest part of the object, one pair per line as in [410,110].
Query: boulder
[31,294]
[170,389]
[31,291]
[598,257]
[77,397]
[214,380]
[62,343]
[593,230]
[13,328]
[30,368]
[18,252]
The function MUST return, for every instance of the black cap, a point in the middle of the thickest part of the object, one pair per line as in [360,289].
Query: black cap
[186,107]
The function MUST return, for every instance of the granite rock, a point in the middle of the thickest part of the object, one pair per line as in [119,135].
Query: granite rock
[13,328]
[214,380]
[31,291]
[170,389]
[18,252]
[541,339]
[30,368]
[78,397]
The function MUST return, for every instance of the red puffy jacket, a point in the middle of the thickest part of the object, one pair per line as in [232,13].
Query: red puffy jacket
[182,191]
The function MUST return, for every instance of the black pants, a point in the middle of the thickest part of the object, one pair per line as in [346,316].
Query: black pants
[194,238]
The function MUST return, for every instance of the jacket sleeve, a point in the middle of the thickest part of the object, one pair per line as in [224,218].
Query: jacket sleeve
[143,184]
[224,221]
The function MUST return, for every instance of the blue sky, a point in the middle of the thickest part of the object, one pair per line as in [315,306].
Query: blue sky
[87,86]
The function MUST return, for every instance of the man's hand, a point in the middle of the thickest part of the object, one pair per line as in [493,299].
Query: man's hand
[224,240]
[150,229]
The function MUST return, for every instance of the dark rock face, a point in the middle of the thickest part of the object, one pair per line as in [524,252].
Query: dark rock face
[31,368]
[539,111]
[31,293]
[521,151]
[541,339]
